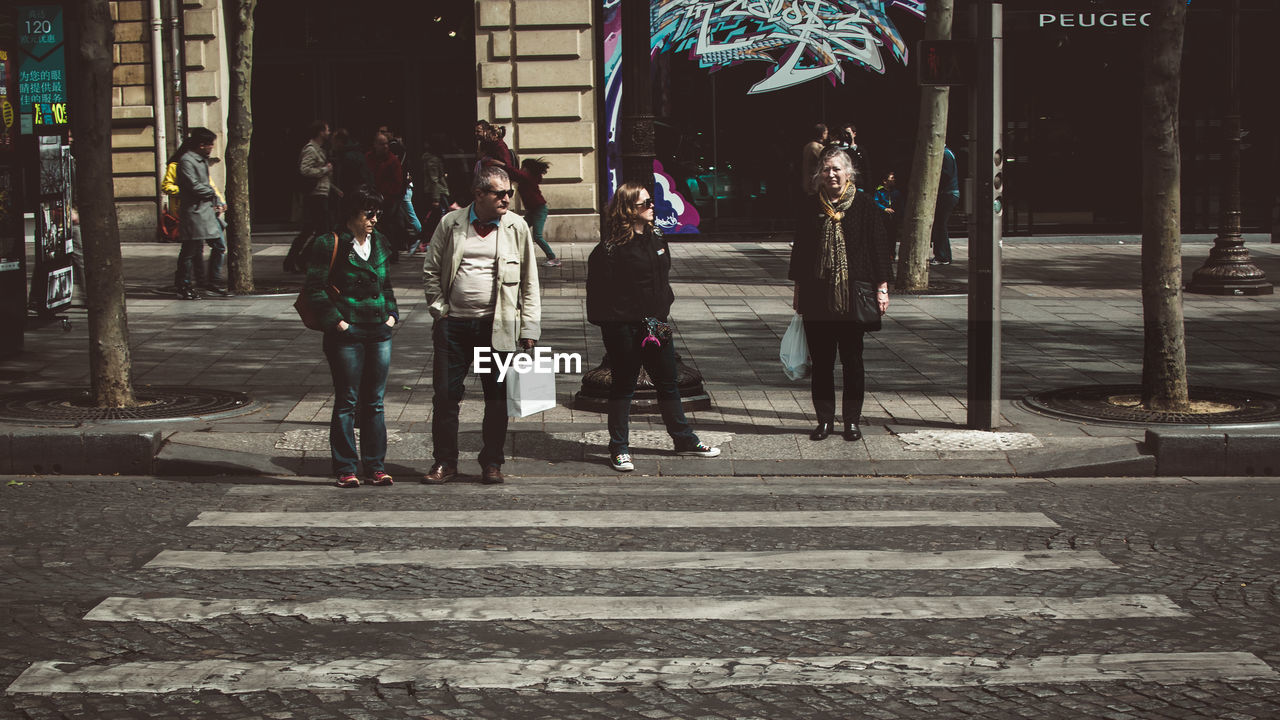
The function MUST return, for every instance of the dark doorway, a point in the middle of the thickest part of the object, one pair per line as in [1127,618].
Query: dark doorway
[410,66]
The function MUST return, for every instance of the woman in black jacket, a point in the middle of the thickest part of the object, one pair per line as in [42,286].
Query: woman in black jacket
[629,297]
[838,242]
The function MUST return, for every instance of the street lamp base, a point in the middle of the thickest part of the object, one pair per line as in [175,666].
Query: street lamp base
[1229,270]
[594,395]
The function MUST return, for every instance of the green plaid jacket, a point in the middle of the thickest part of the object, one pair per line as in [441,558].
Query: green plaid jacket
[355,290]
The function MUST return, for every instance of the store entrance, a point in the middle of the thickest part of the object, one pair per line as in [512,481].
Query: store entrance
[409,66]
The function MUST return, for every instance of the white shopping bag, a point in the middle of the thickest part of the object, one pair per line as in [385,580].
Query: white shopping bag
[795,351]
[530,392]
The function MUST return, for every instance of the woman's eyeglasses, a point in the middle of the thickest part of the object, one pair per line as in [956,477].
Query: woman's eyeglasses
[646,203]
[500,194]
[372,214]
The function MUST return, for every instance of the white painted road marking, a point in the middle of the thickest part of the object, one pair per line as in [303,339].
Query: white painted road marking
[621,518]
[649,560]
[574,607]
[601,674]
[652,486]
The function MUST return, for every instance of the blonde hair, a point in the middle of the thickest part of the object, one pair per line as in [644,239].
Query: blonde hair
[622,214]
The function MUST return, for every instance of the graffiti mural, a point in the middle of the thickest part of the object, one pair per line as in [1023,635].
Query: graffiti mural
[802,39]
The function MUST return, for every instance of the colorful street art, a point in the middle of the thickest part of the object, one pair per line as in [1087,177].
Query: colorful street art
[802,39]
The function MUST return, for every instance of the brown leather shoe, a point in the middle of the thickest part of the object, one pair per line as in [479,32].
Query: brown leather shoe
[492,475]
[440,474]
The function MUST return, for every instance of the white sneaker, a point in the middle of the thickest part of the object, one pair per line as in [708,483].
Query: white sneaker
[552,262]
[700,450]
[622,462]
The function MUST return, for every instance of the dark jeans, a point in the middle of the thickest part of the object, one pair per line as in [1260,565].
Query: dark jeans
[622,343]
[455,341]
[359,359]
[315,221]
[825,338]
[941,241]
[217,257]
[191,259]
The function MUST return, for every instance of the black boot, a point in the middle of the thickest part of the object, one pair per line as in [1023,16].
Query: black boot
[851,432]
[822,432]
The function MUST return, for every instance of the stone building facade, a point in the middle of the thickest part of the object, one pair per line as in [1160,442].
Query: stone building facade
[536,70]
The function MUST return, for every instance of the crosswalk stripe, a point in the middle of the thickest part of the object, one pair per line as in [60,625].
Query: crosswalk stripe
[553,608]
[601,674]
[651,486]
[622,518]
[644,560]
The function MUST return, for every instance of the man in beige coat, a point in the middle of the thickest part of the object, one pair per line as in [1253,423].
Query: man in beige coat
[481,281]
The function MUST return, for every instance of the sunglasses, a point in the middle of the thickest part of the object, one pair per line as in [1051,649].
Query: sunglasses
[500,194]
[372,214]
[646,203]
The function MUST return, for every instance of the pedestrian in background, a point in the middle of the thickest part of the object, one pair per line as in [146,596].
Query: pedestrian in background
[839,241]
[316,173]
[629,296]
[948,198]
[348,284]
[809,158]
[199,213]
[889,199]
[528,179]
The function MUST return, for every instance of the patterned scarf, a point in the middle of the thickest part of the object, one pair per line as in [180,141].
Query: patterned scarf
[833,261]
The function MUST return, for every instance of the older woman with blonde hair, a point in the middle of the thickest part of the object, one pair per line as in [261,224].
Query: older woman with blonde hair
[840,258]
[629,296]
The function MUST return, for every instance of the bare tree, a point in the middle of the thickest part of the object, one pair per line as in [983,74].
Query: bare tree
[239,134]
[1164,357]
[110,366]
[926,164]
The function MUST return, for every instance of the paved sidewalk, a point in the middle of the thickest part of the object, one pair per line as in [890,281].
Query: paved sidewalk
[1072,316]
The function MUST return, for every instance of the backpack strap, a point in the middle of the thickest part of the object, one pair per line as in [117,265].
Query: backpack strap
[332,259]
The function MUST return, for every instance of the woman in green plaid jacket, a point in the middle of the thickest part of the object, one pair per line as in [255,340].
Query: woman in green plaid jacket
[348,285]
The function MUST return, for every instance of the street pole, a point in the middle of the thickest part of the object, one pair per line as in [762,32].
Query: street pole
[636,124]
[986,161]
[1229,270]
[635,135]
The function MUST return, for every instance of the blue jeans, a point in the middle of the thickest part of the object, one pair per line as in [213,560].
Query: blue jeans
[455,341]
[359,359]
[537,219]
[622,343]
[191,258]
[941,241]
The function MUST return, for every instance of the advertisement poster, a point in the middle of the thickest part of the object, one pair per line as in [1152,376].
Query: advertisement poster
[58,291]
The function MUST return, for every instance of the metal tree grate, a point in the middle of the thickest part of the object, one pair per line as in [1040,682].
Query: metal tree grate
[1116,405]
[63,405]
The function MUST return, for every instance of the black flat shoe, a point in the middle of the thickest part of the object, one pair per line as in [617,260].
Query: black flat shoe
[822,432]
[851,432]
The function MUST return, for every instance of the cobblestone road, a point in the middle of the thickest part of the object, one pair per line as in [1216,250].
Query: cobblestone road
[125,598]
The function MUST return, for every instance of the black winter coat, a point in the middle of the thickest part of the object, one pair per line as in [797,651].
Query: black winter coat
[866,246]
[630,283]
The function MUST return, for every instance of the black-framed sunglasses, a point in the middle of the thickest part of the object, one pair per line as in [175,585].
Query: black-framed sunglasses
[646,203]
[372,214]
[500,194]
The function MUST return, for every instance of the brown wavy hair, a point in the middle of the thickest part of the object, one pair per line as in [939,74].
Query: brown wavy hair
[622,214]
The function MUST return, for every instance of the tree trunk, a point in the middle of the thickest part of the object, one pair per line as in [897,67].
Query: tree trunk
[110,367]
[1164,357]
[239,134]
[926,164]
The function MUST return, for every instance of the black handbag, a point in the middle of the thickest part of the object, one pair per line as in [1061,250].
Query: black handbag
[866,306]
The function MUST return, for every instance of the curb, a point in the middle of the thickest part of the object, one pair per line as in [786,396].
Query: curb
[78,452]
[1204,452]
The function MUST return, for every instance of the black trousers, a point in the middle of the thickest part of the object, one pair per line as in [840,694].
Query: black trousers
[825,339]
